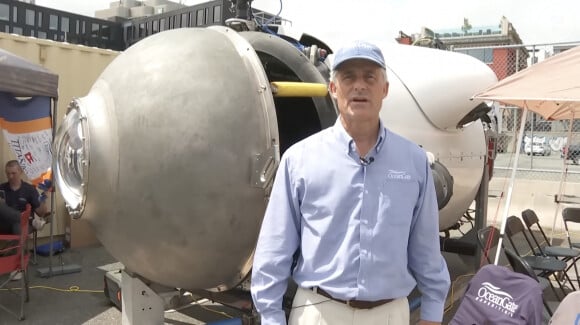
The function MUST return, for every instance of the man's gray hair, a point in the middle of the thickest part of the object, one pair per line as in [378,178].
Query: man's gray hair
[333,75]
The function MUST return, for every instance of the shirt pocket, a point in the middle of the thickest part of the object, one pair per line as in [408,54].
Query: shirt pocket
[397,201]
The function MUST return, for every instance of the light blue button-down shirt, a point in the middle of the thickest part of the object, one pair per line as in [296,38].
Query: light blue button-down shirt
[364,232]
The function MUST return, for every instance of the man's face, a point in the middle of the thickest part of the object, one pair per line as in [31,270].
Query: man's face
[13,174]
[359,87]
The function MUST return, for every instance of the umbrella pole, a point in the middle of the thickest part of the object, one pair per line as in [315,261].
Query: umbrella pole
[52,193]
[562,179]
[511,184]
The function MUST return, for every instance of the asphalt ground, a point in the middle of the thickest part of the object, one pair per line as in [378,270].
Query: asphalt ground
[78,298]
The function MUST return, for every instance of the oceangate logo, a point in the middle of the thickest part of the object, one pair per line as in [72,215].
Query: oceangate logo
[398,175]
[496,298]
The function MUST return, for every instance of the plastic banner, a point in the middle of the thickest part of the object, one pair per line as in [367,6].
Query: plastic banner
[27,127]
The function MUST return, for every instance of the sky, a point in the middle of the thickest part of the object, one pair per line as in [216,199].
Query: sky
[336,21]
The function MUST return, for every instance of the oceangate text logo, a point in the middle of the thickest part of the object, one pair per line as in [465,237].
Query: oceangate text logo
[398,175]
[496,298]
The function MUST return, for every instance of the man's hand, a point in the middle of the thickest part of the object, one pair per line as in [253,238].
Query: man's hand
[426,322]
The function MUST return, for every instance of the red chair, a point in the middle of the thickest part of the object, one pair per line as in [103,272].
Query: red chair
[14,260]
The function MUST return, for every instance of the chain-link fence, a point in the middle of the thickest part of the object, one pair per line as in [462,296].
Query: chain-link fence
[543,147]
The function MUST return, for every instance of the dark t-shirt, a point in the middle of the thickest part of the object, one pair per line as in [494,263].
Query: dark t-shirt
[19,198]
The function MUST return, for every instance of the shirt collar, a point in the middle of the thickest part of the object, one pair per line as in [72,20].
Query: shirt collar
[345,139]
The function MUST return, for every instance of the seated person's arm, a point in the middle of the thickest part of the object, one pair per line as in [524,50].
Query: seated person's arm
[41,210]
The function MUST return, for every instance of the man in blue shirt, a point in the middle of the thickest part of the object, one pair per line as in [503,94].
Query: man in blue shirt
[357,205]
[16,194]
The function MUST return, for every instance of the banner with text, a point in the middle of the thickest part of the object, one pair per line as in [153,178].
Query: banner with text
[27,127]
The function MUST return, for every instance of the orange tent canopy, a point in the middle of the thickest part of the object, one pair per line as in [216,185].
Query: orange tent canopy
[550,88]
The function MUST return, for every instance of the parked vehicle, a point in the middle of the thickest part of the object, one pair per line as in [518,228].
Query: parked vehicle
[539,148]
[571,153]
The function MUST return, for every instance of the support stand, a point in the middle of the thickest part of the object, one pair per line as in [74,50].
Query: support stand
[481,210]
[140,304]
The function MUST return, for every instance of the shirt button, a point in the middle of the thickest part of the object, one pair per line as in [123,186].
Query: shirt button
[362,281]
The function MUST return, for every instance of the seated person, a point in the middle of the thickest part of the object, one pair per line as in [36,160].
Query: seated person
[17,194]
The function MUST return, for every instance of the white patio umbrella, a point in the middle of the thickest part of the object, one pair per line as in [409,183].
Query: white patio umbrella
[550,88]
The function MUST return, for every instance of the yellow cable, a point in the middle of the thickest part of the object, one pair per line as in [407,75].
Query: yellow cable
[70,289]
[217,312]
[453,291]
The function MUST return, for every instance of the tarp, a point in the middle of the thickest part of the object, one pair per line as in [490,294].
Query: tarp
[24,78]
[550,88]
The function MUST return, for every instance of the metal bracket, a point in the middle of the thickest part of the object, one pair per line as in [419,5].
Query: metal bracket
[264,166]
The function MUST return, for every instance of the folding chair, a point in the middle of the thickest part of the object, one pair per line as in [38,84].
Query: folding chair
[566,254]
[521,266]
[14,261]
[487,238]
[545,265]
[571,215]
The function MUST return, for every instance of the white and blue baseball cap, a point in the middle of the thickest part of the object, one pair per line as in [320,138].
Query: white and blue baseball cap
[359,50]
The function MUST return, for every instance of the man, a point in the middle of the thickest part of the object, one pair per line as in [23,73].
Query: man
[356,205]
[16,195]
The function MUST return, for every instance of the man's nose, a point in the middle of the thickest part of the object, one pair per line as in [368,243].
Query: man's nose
[360,84]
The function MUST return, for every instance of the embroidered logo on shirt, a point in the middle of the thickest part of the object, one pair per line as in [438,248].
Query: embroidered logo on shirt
[494,297]
[398,175]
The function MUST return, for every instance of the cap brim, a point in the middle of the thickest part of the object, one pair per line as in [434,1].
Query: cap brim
[336,65]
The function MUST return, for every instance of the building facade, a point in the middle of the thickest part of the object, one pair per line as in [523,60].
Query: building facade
[28,19]
[122,25]
[492,44]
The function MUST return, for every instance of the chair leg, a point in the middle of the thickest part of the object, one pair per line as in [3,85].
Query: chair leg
[34,244]
[22,295]
[560,284]
[554,289]
[568,278]
[547,307]
[573,264]
[26,284]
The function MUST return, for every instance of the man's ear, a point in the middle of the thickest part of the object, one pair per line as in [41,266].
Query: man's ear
[386,91]
[332,89]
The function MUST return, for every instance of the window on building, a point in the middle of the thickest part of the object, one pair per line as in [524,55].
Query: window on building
[4,12]
[105,32]
[184,21]
[162,24]
[41,34]
[6,29]
[65,25]
[155,26]
[199,20]
[53,22]
[177,21]
[15,15]
[484,55]
[142,30]
[17,30]
[78,27]
[95,30]
[29,17]
[191,19]
[206,16]
[217,14]
[31,33]
[83,27]
[39,19]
